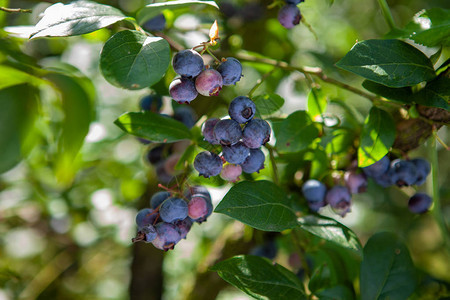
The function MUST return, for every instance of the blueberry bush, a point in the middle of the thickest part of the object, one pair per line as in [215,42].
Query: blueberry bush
[200,149]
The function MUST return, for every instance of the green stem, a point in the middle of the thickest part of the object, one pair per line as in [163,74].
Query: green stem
[260,81]
[273,163]
[437,209]
[213,56]
[387,14]
[15,10]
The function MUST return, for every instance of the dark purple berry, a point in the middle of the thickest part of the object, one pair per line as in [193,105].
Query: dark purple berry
[208,131]
[188,63]
[231,172]
[423,169]
[185,115]
[383,180]
[183,226]
[419,203]
[403,172]
[289,16]
[157,23]
[254,161]
[208,164]
[235,154]
[340,200]
[151,102]
[242,109]
[173,209]
[355,182]
[149,232]
[268,250]
[155,155]
[231,71]
[314,192]
[145,217]
[167,236]
[227,132]
[377,168]
[158,198]
[209,82]
[295,2]
[256,133]
[183,90]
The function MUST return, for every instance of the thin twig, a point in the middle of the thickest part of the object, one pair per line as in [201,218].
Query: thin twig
[16,10]
[260,81]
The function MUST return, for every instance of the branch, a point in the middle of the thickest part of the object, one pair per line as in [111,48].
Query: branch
[15,10]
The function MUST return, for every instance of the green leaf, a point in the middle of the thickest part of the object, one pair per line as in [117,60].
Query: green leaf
[377,136]
[403,94]
[390,62]
[153,126]
[320,278]
[18,105]
[317,103]
[267,104]
[295,133]
[436,93]
[338,292]
[429,27]
[320,163]
[387,271]
[259,204]
[76,18]
[10,76]
[132,60]
[260,278]
[331,230]
[435,57]
[338,141]
[154,9]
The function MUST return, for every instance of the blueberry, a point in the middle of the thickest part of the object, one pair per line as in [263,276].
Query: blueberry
[208,131]
[197,207]
[155,154]
[183,226]
[209,82]
[242,109]
[419,203]
[173,209]
[256,133]
[157,23]
[231,71]
[339,198]
[208,164]
[314,192]
[268,250]
[158,198]
[183,90]
[167,236]
[235,154]
[185,115]
[231,172]
[227,132]
[254,162]
[150,233]
[423,169]
[151,102]
[145,217]
[377,168]
[197,189]
[355,182]
[403,172]
[295,2]
[289,16]
[188,63]
[383,180]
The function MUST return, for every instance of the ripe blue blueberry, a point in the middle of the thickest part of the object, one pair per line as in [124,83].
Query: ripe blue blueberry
[145,217]
[268,249]
[423,169]
[340,200]
[183,226]
[377,168]
[209,82]
[157,23]
[151,102]
[295,2]
[182,90]
[289,16]
[155,154]
[256,133]
[355,182]
[208,131]
[150,233]
[384,179]
[185,115]
[242,109]
[235,154]
[158,198]
[254,161]
[314,192]
[188,63]
[167,236]
[419,203]
[403,172]
[227,132]
[173,209]
[208,164]
[231,71]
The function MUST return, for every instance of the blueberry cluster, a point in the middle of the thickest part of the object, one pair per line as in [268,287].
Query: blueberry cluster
[170,216]
[241,138]
[289,15]
[157,23]
[384,172]
[196,78]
